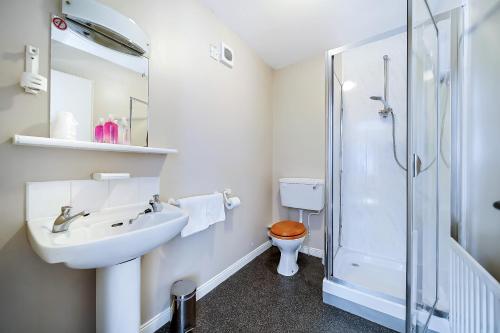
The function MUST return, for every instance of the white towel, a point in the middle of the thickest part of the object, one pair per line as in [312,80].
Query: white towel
[215,208]
[203,210]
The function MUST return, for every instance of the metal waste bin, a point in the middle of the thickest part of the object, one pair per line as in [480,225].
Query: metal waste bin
[183,306]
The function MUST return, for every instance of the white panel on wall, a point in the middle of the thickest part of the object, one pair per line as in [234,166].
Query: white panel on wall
[89,195]
[45,199]
[374,187]
[123,192]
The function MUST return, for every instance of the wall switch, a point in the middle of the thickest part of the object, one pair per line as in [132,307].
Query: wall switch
[214,52]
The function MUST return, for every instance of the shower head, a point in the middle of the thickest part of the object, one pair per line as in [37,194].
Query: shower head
[381,99]
[386,109]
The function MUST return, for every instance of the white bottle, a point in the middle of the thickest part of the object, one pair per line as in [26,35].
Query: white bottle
[124,131]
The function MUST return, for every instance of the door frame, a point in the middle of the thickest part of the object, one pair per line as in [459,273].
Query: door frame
[412,173]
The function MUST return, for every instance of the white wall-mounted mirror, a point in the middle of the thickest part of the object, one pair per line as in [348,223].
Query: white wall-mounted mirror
[98,77]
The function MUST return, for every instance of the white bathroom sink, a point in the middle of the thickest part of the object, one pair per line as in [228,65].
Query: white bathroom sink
[106,238]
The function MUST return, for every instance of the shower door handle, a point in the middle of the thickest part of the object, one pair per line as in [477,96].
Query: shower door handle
[417,165]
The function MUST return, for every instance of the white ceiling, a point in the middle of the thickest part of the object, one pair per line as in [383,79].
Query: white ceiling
[284,32]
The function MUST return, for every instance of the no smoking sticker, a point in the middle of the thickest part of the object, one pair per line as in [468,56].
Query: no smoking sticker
[59,23]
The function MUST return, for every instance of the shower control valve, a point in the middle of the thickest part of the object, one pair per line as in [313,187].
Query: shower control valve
[385,112]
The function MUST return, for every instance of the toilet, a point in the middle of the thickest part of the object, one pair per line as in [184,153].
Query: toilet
[288,236]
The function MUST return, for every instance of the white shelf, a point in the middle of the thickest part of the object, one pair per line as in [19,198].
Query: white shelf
[37,141]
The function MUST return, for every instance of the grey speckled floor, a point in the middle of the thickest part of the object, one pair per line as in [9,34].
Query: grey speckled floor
[258,299]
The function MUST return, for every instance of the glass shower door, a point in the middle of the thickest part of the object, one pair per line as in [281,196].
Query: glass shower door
[423,147]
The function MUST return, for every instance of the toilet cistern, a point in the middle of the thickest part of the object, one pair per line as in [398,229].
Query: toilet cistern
[302,194]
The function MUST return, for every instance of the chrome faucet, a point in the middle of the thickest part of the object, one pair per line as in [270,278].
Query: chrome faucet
[156,204]
[147,211]
[64,219]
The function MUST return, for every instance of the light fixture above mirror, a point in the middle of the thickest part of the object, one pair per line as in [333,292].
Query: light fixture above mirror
[106,21]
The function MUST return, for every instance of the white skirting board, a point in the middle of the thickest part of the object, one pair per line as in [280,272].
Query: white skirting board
[155,323]
[164,317]
[319,253]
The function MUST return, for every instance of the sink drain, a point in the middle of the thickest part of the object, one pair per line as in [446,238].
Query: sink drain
[354,264]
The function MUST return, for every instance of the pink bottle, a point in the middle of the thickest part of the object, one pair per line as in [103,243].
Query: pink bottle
[108,129]
[99,131]
[114,132]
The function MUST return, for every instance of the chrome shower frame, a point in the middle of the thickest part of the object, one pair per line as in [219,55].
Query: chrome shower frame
[413,172]
[330,196]
[333,196]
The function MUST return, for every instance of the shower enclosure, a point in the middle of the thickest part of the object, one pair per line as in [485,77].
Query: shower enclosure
[384,136]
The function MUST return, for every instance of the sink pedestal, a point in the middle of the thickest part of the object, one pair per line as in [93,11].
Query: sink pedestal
[118,298]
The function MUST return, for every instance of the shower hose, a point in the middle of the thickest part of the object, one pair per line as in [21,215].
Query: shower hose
[441,135]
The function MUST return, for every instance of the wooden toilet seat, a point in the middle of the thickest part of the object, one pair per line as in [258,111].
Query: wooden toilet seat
[288,230]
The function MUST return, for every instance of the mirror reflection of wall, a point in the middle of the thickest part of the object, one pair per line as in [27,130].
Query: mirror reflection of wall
[139,122]
[93,85]
[75,93]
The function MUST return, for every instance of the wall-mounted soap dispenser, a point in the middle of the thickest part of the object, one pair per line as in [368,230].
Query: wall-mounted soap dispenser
[31,81]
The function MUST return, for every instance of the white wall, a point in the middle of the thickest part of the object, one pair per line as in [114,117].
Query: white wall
[219,119]
[481,118]
[298,133]
[373,186]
